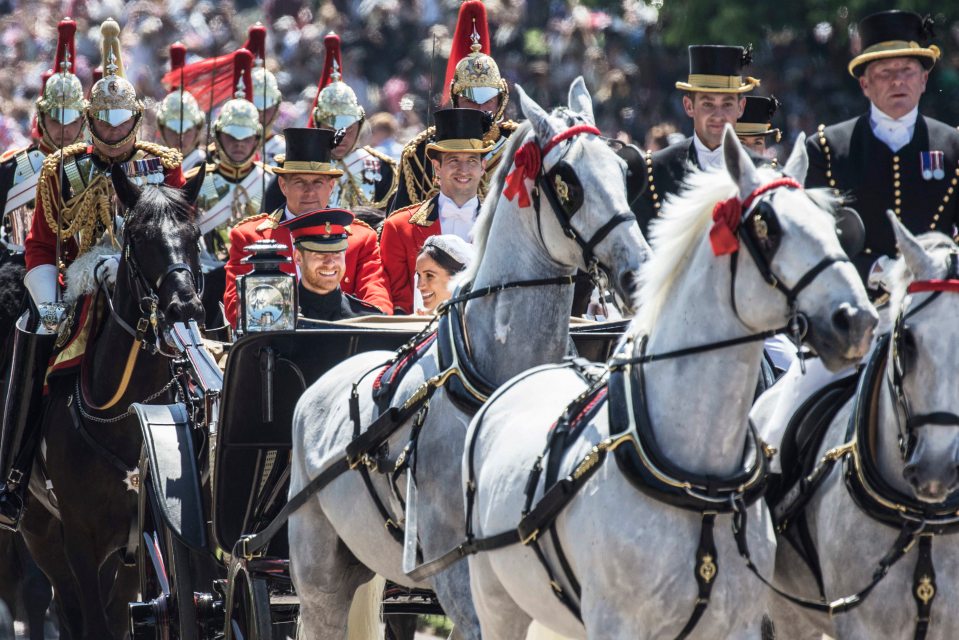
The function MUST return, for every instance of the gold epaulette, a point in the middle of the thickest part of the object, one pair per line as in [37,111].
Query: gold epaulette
[362,224]
[420,217]
[10,153]
[169,158]
[256,216]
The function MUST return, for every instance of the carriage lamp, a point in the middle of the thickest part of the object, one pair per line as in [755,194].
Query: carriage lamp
[267,295]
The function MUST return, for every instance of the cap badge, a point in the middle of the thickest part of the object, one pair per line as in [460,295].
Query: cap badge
[562,189]
[329,229]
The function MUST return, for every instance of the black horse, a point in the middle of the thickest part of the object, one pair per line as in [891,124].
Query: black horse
[92,442]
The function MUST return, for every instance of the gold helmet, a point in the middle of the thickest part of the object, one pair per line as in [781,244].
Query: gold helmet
[113,99]
[474,75]
[266,91]
[335,106]
[62,95]
[179,110]
[239,117]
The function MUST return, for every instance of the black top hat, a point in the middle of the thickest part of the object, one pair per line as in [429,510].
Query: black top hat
[308,151]
[757,117]
[323,230]
[716,68]
[894,34]
[461,131]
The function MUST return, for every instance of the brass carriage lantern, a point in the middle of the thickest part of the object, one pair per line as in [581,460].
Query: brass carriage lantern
[267,295]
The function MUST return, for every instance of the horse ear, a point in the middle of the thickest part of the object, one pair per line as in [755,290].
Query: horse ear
[127,191]
[739,164]
[798,163]
[536,115]
[920,263]
[580,101]
[191,189]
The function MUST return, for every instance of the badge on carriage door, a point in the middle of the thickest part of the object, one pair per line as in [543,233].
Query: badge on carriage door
[933,165]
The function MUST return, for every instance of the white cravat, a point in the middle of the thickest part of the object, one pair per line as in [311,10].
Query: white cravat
[894,132]
[708,158]
[458,220]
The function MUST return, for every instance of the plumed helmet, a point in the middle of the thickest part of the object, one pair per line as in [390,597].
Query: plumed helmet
[113,99]
[472,73]
[62,96]
[179,110]
[336,106]
[239,117]
[266,91]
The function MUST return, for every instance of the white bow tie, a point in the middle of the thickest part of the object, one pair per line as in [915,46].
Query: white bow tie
[465,214]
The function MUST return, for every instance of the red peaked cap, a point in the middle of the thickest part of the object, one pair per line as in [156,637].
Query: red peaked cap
[471,11]
[332,44]
[242,68]
[66,31]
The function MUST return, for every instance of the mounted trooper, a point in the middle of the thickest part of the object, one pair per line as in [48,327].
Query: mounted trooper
[75,210]
[755,129]
[59,123]
[369,177]
[713,98]
[473,81]
[458,151]
[266,95]
[893,157]
[180,119]
[233,186]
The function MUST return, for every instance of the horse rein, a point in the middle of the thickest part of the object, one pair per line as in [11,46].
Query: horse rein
[907,437]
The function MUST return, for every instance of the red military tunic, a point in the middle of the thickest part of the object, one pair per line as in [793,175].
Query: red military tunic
[41,242]
[363,277]
[404,233]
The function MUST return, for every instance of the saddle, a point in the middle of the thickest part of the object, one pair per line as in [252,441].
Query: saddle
[386,382]
[83,325]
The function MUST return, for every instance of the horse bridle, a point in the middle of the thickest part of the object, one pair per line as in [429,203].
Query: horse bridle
[907,428]
[564,192]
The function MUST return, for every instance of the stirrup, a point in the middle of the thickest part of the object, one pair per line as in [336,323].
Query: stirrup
[11,509]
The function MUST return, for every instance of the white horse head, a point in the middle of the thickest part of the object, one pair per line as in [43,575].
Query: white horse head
[590,181]
[921,361]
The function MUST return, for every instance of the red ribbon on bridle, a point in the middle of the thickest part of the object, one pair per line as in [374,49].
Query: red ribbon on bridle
[922,286]
[529,159]
[727,214]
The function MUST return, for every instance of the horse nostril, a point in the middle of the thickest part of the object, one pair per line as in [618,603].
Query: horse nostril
[910,474]
[842,318]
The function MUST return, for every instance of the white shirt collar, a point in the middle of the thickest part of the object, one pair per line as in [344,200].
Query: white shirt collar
[287,214]
[708,158]
[450,208]
[894,132]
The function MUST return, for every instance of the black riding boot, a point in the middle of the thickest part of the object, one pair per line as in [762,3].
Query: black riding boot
[11,504]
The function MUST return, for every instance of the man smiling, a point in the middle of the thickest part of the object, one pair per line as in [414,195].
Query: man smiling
[891,157]
[457,156]
[713,99]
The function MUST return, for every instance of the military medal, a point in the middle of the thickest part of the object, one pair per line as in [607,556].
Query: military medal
[933,165]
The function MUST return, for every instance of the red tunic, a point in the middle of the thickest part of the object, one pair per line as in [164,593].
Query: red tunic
[404,233]
[363,276]
[41,243]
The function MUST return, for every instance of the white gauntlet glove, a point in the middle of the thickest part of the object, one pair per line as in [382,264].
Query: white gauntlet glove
[106,270]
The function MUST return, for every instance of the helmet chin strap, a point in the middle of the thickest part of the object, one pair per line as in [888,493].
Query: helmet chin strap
[102,145]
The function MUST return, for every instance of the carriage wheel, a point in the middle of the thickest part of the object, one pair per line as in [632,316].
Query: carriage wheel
[247,606]
[165,576]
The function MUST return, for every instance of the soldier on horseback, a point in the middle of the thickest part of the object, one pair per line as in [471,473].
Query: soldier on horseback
[266,94]
[180,119]
[59,123]
[473,82]
[75,210]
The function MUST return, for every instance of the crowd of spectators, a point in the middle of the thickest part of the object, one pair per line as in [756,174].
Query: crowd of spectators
[393,47]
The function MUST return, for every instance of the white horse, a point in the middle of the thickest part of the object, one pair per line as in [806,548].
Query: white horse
[632,554]
[920,475]
[338,540]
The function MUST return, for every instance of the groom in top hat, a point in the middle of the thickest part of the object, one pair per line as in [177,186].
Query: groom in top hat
[892,157]
[713,98]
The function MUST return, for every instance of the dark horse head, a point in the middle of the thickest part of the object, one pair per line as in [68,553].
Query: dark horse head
[160,267]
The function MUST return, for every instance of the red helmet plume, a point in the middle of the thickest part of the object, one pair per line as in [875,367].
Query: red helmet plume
[472,16]
[256,41]
[242,70]
[333,64]
[66,59]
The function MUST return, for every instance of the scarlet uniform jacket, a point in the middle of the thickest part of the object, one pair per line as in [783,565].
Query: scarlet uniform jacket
[851,160]
[404,233]
[79,164]
[364,270]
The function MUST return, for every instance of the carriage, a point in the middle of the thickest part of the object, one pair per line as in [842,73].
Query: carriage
[215,470]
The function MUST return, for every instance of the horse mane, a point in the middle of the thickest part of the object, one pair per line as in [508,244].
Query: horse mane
[155,204]
[485,220]
[900,277]
[682,225]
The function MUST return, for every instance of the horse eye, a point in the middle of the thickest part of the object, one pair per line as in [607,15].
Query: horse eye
[907,349]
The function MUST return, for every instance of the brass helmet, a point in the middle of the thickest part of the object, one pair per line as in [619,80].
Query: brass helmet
[474,75]
[61,97]
[335,106]
[238,117]
[179,111]
[266,91]
[113,99]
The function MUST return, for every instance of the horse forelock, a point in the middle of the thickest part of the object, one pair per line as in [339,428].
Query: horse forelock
[157,203]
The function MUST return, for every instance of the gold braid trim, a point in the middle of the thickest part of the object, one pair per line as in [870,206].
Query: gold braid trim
[416,189]
[81,214]
[169,158]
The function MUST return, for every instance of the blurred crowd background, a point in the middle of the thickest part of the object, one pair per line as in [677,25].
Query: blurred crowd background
[630,52]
